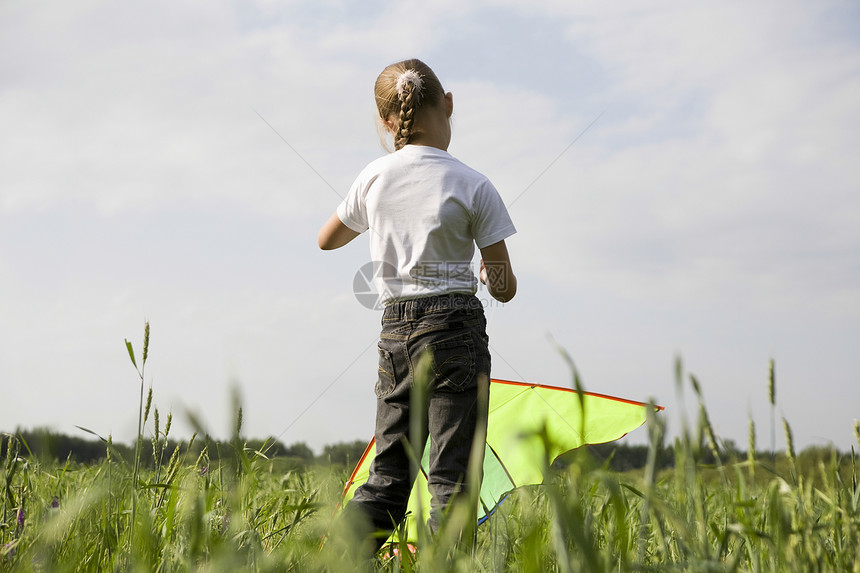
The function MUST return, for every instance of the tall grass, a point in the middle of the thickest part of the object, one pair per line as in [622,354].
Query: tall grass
[713,511]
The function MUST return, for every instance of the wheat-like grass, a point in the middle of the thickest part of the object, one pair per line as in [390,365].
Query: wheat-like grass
[219,512]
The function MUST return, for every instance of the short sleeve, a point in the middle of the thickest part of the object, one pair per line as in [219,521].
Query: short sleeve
[353,210]
[491,222]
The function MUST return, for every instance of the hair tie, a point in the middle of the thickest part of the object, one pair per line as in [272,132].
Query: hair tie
[409,77]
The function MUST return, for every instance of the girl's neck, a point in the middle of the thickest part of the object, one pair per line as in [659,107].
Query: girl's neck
[433,125]
[434,131]
[428,141]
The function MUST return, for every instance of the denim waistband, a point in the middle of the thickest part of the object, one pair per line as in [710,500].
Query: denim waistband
[429,304]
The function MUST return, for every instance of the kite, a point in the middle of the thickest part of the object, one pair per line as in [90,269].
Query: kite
[528,425]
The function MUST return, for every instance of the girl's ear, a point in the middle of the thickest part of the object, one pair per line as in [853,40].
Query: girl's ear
[388,124]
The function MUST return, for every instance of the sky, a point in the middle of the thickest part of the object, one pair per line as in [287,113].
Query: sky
[683,178]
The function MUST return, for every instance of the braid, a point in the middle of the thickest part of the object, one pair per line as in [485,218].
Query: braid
[402,90]
[406,116]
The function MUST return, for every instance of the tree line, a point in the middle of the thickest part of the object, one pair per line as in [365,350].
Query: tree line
[48,445]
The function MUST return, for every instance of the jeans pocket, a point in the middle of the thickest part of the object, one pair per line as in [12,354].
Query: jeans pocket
[454,362]
[385,380]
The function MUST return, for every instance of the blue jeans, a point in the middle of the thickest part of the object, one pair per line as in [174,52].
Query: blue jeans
[453,329]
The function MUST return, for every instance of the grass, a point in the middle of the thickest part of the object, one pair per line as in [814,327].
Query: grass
[717,509]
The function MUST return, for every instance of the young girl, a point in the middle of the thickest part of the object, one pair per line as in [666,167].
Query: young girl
[425,211]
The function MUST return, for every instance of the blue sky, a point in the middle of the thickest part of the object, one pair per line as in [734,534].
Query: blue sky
[711,212]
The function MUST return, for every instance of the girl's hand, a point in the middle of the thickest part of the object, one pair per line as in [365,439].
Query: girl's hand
[500,279]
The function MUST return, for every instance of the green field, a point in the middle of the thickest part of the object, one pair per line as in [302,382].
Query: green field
[209,506]
[243,512]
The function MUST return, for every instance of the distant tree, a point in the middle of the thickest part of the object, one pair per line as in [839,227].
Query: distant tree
[299,450]
[625,457]
[270,447]
[731,450]
[343,453]
[48,445]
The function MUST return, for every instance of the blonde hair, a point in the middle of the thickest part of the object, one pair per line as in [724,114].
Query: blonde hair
[402,90]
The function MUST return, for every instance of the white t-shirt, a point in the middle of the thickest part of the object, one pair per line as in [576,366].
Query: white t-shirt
[426,211]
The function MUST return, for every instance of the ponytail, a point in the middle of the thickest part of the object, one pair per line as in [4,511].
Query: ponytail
[409,86]
[401,90]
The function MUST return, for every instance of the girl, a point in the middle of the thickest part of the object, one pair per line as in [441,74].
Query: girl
[426,211]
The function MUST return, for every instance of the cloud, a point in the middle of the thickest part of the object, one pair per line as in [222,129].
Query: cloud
[146,110]
[711,210]
[706,170]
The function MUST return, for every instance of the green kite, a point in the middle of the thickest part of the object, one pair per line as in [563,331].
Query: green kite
[528,425]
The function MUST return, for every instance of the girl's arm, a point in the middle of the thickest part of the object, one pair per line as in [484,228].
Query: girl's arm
[497,273]
[334,234]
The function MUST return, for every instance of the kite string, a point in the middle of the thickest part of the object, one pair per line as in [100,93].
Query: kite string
[324,390]
[493,310]
[308,163]
[318,174]
[557,157]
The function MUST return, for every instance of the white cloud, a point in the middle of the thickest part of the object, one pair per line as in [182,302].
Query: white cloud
[711,210]
[145,111]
